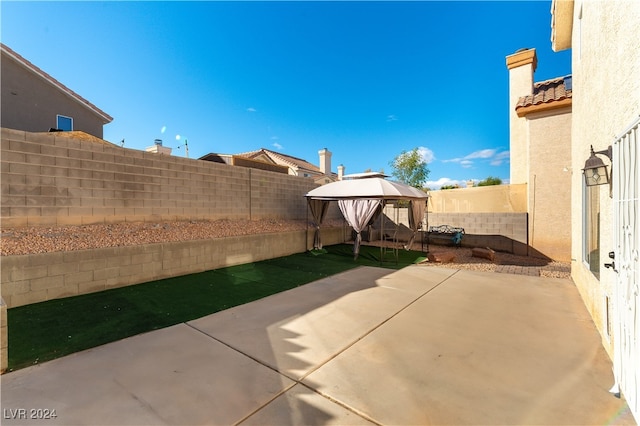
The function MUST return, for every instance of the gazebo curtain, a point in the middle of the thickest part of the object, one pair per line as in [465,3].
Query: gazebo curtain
[319,210]
[358,213]
[416,214]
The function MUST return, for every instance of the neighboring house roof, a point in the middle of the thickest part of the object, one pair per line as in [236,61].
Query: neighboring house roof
[85,137]
[79,136]
[547,95]
[273,161]
[236,160]
[365,175]
[46,77]
[297,164]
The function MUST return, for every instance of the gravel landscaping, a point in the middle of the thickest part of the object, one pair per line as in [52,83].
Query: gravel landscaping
[32,240]
[504,263]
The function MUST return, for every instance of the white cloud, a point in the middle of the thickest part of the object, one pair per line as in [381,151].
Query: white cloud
[484,153]
[251,109]
[494,157]
[500,158]
[274,138]
[277,145]
[427,155]
[392,117]
[437,184]
[453,160]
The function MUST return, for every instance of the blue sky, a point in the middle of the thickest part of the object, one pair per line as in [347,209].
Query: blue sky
[367,80]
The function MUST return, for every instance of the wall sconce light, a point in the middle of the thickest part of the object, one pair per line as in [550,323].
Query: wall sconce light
[595,171]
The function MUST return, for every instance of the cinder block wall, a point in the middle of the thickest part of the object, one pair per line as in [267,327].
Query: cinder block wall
[39,277]
[510,226]
[4,337]
[51,179]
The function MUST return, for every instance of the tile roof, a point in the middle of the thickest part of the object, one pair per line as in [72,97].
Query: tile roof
[555,89]
[287,159]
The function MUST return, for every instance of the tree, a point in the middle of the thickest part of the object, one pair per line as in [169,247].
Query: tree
[369,170]
[490,181]
[450,187]
[409,167]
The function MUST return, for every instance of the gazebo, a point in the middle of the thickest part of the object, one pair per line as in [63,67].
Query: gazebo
[361,199]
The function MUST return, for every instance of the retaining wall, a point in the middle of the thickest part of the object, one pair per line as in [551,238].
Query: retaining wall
[38,277]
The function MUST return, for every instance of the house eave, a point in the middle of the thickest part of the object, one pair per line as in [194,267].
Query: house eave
[561,24]
[543,107]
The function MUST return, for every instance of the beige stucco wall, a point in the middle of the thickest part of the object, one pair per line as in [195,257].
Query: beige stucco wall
[606,99]
[29,103]
[549,189]
[480,199]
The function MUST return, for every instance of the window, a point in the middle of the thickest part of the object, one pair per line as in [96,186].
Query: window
[591,228]
[64,123]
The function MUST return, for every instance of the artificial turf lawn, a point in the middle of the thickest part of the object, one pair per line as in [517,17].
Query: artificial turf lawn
[51,329]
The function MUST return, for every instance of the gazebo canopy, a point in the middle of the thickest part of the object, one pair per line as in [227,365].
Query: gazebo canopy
[360,200]
[369,188]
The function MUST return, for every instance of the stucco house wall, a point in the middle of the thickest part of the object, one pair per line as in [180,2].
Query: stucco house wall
[31,99]
[606,70]
[549,189]
[540,149]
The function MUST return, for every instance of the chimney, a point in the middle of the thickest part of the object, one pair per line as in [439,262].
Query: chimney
[340,172]
[157,148]
[521,66]
[325,161]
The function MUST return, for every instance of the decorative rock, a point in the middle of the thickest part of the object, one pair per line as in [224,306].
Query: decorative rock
[485,253]
[444,257]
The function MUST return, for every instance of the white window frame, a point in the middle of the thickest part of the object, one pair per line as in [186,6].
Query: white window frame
[59,116]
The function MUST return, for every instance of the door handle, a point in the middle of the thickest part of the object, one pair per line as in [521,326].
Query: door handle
[612,265]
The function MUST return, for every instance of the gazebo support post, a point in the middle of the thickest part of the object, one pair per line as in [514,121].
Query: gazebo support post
[306,225]
[381,230]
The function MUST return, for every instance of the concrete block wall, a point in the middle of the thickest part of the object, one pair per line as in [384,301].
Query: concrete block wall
[509,228]
[39,277]
[4,337]
[51,179]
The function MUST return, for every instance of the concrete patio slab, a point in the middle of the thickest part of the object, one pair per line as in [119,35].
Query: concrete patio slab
[417,346]
[302,406]
[176,375]
[478,349]
[295,332]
